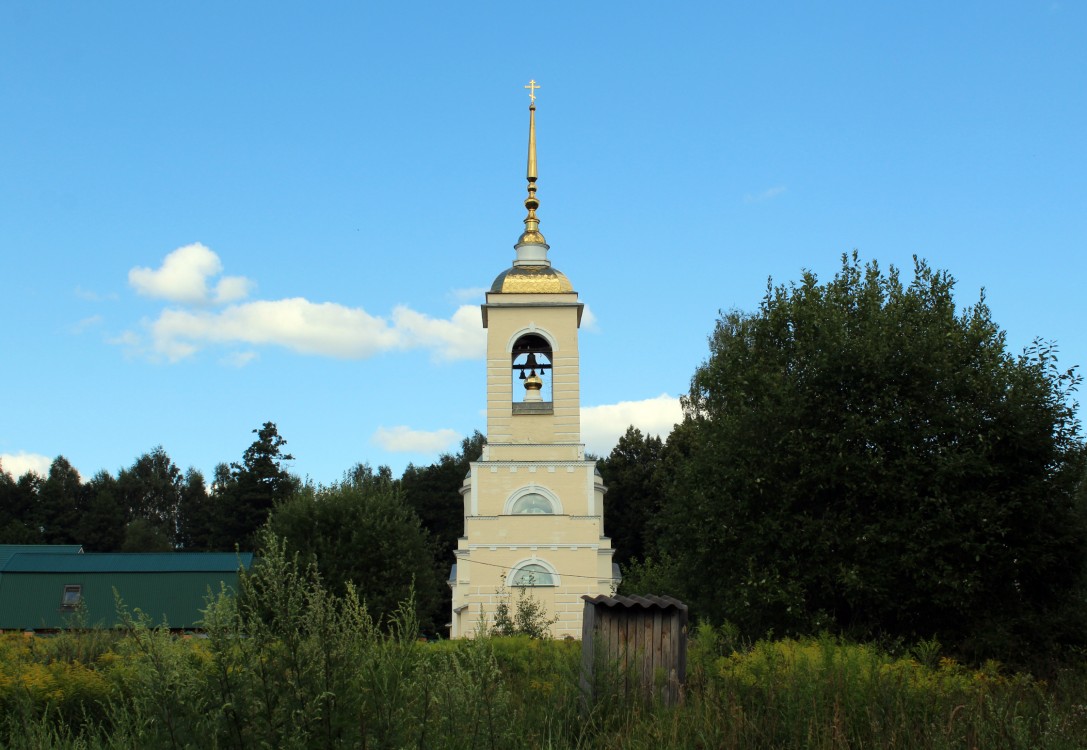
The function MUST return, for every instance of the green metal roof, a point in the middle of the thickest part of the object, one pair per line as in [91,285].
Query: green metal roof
[7,550]
[127,562]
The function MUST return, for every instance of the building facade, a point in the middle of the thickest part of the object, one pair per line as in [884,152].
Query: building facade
[53,587]
[533,504]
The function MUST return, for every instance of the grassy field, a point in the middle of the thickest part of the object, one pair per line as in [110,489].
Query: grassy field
[150,689]
[286,665]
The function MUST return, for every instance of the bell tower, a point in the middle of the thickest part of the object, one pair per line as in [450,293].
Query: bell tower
[533,506]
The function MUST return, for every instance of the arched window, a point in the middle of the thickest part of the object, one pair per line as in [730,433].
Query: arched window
[533,499]
[532,574]
[532,503]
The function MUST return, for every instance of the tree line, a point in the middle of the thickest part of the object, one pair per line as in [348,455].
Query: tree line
[858,456]
[150,506]
[381,534]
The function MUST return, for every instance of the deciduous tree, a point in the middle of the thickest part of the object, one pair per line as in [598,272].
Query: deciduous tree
[433,491]
[362,533]
[861,455]
[151,489]
[634,495]
[101,526]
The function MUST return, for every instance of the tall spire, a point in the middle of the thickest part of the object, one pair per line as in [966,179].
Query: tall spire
[532,234]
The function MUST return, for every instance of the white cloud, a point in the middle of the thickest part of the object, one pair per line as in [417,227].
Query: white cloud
[316,328]
[403,439]
[239,359]
[589,321]
[92,296]
[602,426]
[129,339]
[183,277]
[20,463]
[460,337]
[765,195]
[325,329]
[473,294]
[89,322]
[297,324]
[231,289]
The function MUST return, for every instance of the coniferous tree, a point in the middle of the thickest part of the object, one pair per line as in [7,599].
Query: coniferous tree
[254,487]
[59,502]
[17,512]
[196,515]
[222,499]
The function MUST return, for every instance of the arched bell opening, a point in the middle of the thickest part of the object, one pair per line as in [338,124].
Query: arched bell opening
[532,375]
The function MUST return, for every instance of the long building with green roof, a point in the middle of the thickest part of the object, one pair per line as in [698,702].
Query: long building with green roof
[46,589]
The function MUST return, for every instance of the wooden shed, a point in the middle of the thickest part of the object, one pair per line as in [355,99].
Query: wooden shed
[44,590]
[634,646]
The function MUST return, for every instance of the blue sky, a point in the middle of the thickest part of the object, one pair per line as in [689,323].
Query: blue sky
[214,215]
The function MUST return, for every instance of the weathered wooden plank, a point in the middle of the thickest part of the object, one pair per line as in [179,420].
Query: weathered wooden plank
[649,637]
[682,657]
[662,650]
[588,643]
[624,650]
[614,654]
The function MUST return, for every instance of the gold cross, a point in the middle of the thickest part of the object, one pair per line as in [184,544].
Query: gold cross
[532,86]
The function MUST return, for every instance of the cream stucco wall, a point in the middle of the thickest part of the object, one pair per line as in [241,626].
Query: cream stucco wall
[555,317]
[539,452]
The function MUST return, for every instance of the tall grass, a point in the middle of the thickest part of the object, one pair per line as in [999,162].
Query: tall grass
[287,665]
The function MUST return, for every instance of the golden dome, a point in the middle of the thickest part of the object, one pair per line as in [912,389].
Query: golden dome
[532,280]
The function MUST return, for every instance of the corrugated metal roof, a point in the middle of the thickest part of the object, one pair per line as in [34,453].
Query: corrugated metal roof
[645,602]
[128,562]
[7,550]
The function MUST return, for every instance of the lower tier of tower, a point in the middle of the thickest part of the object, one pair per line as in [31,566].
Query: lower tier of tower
[555,577]
[533,525]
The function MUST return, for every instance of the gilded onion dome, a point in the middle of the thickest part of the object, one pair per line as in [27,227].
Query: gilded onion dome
[532,280]
[532,272]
